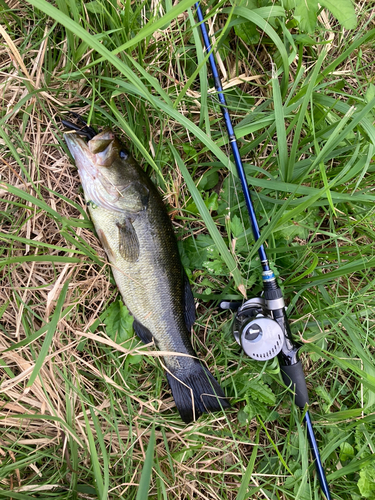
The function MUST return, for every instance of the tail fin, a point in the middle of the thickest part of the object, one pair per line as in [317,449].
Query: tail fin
[195,392]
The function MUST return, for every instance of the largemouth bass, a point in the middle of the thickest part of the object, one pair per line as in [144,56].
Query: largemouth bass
[135,230]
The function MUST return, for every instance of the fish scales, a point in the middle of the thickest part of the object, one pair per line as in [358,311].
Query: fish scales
[136,232]
[152,286]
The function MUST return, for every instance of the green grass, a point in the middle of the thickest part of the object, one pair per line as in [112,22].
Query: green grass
[85,409]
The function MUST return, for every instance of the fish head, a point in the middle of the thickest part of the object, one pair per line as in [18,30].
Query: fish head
[110,177]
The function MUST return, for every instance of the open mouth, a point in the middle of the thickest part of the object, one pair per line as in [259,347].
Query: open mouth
[93,158]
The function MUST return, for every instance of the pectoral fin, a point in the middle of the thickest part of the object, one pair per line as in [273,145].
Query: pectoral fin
[128,241]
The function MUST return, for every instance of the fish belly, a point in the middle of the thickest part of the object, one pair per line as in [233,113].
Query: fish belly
[152,287]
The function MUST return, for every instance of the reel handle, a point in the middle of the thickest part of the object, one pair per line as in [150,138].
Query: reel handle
[290,365]
[294,378]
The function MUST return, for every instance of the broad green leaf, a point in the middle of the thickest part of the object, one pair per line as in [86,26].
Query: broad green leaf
[304,39]
[256,408]
[306,14]
[211,201]
[370,92]
[119,327]
[236,226]
[247,31]
[194,250]
[95,7]
[208,180]
[346,451]
[261,392]
[289,4]
[343,10]
[243,417]
[184,455]
[119,322]
[216,267]
[366,483]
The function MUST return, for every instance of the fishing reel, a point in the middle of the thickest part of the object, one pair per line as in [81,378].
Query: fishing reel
[256,331]
[262,329]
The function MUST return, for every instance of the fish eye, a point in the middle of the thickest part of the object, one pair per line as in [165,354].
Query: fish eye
[124,154]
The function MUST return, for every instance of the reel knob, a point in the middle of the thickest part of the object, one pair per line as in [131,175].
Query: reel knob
[259,335]
[262,338]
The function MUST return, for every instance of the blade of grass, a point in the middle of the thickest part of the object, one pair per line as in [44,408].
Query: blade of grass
[38,258]
[99,485]
[280,127]
[26,241]
[136,140]
[242,492]
[32,199]
[49,335]
[210,224]
[191,127]
[52,418]
[144,483]
[255,18]
[343,107]
[203,81]
[274,446]
[103,455]
[152,26]
[301,113]
[94,43]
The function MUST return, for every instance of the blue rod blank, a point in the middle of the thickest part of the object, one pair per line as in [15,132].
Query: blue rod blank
[254,222]
[232,139]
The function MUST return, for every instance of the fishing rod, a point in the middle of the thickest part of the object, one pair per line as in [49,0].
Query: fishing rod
[261,325]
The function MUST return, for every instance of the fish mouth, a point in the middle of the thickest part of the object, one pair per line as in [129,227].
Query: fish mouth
[83,157]
[93,160]
[101,150]
[77,146]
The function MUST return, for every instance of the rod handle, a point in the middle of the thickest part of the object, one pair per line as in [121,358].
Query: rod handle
[294,378]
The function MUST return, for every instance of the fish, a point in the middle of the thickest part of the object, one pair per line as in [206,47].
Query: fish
[137,235]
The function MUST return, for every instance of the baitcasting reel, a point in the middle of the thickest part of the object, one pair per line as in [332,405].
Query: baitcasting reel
[254,328]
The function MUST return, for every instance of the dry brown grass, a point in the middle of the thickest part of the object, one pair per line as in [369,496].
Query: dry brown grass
[35,417]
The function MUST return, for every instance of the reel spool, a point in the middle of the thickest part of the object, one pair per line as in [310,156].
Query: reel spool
[254,328]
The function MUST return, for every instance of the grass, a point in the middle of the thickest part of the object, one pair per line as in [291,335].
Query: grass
[85,410]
